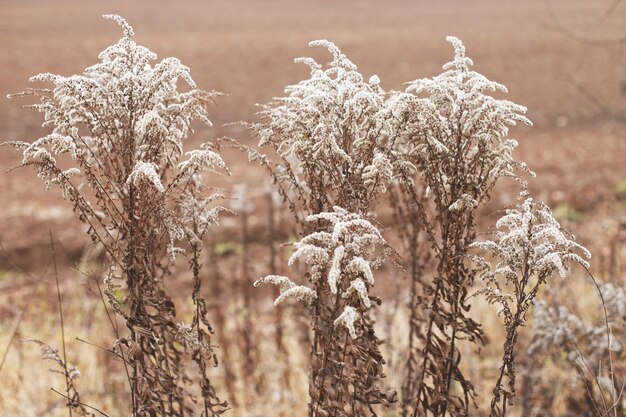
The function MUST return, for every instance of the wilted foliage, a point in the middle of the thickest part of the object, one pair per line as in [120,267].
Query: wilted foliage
[530,247]
[122,125]
[334,157]
[453,134]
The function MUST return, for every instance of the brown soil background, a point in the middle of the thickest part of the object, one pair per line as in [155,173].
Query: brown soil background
[246,48]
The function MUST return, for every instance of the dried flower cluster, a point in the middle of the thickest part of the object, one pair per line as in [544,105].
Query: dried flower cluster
[71,374]
[592,349]
[335,158]
[454,135]
[347,361]
[122,125]
[530,247]
[329,134]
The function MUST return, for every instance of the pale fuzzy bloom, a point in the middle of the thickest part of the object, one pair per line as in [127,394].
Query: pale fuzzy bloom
[152,124]
[104,91]
[288,289]
[343,255]
[583,342]
[127,29]
[347,319]
[201,160]
[460,60]
[62,181]
[358,286]
[71,172]
[197,216]
[283,282]
[313,255]
[299,292]
[173,251]
[359,265]
[344,251]
[379,174]
[59,144]
[614,299]
[335,270]
[333,124]
[552,327]
[174,231]
[50,354]
[465,203]
[37,155]
[453,110]
[187,336]
[374,80]
[317,271]
[529,238]
[73,373]
[342,227]
[145,172]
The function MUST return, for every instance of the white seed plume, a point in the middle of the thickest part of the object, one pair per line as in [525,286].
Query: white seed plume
[528,234]
[145,172]
[347,319]
[345,252]
[288,289]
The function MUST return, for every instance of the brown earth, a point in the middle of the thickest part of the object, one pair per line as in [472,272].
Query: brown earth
[574,90]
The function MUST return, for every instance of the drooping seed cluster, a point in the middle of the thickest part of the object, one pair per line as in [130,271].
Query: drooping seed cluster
[342,258]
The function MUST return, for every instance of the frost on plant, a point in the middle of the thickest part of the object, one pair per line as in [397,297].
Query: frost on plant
[120,126]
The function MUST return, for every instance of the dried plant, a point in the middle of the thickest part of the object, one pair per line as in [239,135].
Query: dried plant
[408,222]
[453,134]
[119,129]
[595,351]
[70,373]
[334,160]
[329,135]
[339,144]
[530,247]
[346,359]
[285,376]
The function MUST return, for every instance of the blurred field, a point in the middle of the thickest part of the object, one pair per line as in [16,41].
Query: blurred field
[575,92]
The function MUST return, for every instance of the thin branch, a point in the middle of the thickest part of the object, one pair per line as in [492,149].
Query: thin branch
[17,325]
[81,403]
[56,277]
